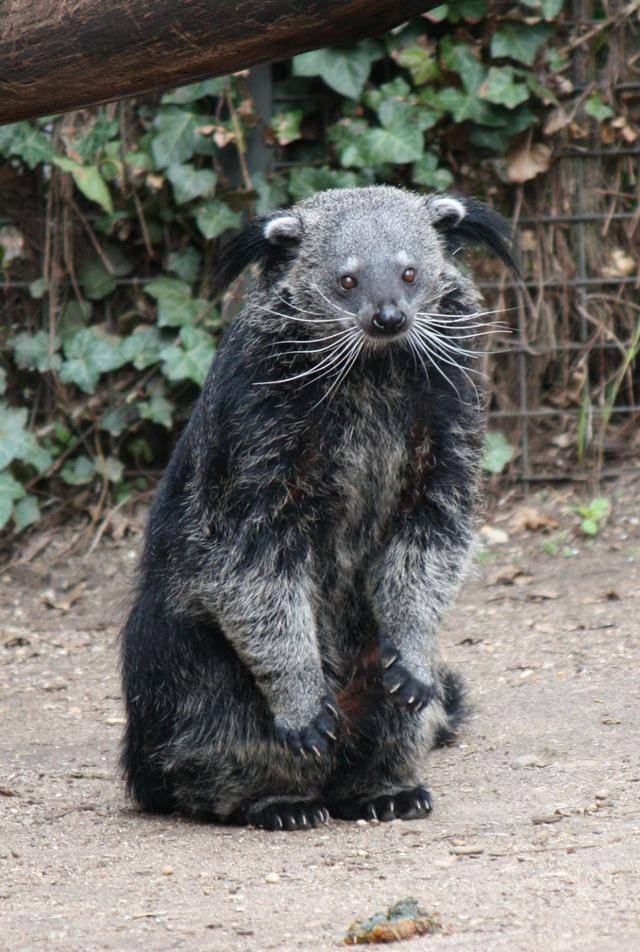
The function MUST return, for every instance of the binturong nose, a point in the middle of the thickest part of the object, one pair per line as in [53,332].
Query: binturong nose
[388,319]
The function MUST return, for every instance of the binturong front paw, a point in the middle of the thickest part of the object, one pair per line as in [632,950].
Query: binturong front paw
[316,736]
[403,687]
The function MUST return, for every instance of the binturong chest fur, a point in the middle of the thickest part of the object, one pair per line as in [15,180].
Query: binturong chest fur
[280,662]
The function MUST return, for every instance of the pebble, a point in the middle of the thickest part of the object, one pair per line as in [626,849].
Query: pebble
[272,878]
[167,870]
[526,760]
[602,794]
[361,823]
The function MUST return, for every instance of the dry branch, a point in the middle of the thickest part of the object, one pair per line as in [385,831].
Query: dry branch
[57,56]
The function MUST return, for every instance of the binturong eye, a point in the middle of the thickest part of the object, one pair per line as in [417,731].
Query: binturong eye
[409,275]
[348,282]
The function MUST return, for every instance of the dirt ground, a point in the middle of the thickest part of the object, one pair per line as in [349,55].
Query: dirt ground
[534,842]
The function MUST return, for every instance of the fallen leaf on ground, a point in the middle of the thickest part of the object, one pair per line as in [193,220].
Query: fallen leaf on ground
[542,595]
[505,575]
[64,603]
[529,518]
[402,921]
[494,536]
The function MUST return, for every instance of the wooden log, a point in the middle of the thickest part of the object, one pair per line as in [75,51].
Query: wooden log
[57,55]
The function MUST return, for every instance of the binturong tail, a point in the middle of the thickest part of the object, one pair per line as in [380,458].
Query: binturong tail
[456,707]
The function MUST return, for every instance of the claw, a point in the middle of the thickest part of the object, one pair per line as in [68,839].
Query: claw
[329,734]
[305,822]
[371,811]
[331,708]
[387,664]
[395,688]
[392,807]
[303,753]
[419,805]
[411,699]
[316,752]
[326,816]
[278,820]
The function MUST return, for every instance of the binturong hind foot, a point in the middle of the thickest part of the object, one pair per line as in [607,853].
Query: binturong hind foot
[288,815]
[413,804]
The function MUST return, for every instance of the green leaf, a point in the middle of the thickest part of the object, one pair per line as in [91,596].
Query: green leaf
[520,41]
[158,409]
[345,70]
[501,88]
[176,139]
[36,351]
[16,442]
[117,420]
[420,62]
[79,471]
[189,183]
[589,527]
[111,468]
[308,180]
[89,181]
[460,58]
[75,316]
[395,144]
[10,490]
[286,126]
[142,348]
[598,109]
[195,91]
[96,280]
[37,289]
[426,172]
[26,512]
[497,452]
[186,264]
[190,357]
[549,8]
[214,218]
[90,353]
[599,507]
[272,192]
[176,306]
[31,145]
[3,380]
[472,10]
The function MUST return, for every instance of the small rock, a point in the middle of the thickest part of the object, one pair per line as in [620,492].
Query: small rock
[526,760]
[272,878]
[361,823]
[602,794]
[546,818]
[466,850]
[167,870]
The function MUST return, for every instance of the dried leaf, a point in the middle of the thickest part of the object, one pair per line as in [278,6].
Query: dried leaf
[505,575]
[529,518]
[64,604]
[527,162]
[621,264]
[557,121]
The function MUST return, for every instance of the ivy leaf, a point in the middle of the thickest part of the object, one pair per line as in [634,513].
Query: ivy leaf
[79,471]
[26,512]
[500,87]
[497,452]
[10,490]
[142,348]
[158,409]
[16,442]
[117,420]
[176,306]
[345,70]
[186,264]
[286,126]
[595,107]
[420,62]
[177,138]
[189,183]
[461,59]
[472,10]
[426,172]
[31,145]
[520,41]
[466,106]
[272,192]
[36,352]
[96,280]
[306,181]
[549,8]
[90,353]
[89,181]
[111,468]
[397,143]
[75,316]
[190,357]
[214,218]
[195,91]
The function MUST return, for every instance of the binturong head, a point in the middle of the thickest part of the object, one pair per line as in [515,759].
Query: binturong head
[374,260]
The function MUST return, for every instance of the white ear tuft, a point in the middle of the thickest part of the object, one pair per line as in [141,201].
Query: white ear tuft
[283,229]
[447,207]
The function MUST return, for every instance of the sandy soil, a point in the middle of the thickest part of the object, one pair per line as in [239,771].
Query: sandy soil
[534,842]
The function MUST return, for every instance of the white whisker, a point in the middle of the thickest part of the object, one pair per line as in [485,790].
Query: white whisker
[348,364]
[339,348]
[422,346]
[332,303]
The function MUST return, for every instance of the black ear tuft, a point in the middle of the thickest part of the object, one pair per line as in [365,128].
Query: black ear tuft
[270,241]
[467,221]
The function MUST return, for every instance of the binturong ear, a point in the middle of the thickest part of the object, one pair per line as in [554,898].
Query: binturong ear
[270,241]
[467,221]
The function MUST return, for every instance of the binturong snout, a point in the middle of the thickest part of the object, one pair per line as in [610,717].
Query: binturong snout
[387,320]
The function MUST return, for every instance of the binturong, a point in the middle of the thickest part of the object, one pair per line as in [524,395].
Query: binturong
[315,521]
